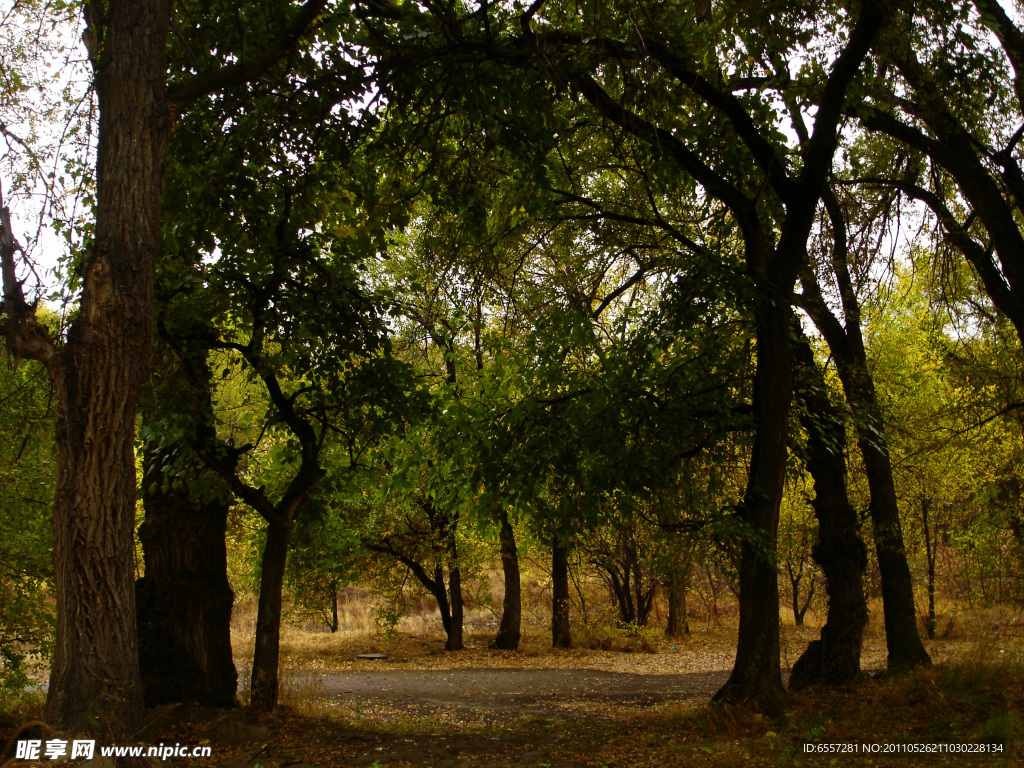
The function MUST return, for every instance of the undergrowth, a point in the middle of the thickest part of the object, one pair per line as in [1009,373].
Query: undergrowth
[973,702]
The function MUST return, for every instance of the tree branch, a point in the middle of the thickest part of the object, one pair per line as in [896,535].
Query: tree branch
[741,206]
[725,102]
[26,337]
[243,72]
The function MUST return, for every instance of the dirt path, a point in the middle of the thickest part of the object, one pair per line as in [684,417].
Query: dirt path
[488,717]
[550,693]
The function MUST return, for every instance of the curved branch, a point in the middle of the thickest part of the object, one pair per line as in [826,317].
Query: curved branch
[243,72]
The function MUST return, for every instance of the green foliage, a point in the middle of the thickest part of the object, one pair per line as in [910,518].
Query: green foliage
[26,479]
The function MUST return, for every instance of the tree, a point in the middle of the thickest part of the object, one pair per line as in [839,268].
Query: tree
[839,551]
[845,340]
[795,537]
[105,359]
[961,98]
[774,246]
[286,305]
[509,629]
[184,600]
[624,550]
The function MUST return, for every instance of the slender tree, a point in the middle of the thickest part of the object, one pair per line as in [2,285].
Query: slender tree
[846,342]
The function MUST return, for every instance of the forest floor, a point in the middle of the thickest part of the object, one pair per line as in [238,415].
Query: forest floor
[637,706]
[639,703]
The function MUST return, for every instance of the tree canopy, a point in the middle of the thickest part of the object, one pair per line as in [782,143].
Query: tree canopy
[415,279]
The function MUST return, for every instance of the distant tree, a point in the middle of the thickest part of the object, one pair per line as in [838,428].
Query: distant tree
[623,550]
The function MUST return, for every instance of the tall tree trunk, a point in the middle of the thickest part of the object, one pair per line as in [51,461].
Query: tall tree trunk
[264,679]
[835,657]
[94,680]
[509,630]
[847,346]
[902,639]
[455,642]
[561,635]
[184,600]
[756,673]
[437,588]
[929,553]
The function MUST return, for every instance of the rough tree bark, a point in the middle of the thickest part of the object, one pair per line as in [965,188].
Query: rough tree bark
[509,631]
[94,680]
[835,657]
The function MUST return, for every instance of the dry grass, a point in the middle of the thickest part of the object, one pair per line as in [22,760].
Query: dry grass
[975,693]
[419,643]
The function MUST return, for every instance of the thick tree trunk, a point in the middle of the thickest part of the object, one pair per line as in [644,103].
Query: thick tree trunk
[264,679]
[454,642]
[94,680]
[509,631]
[184,600]
[835,657]
[902,638]
[561,635]
[756,675]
